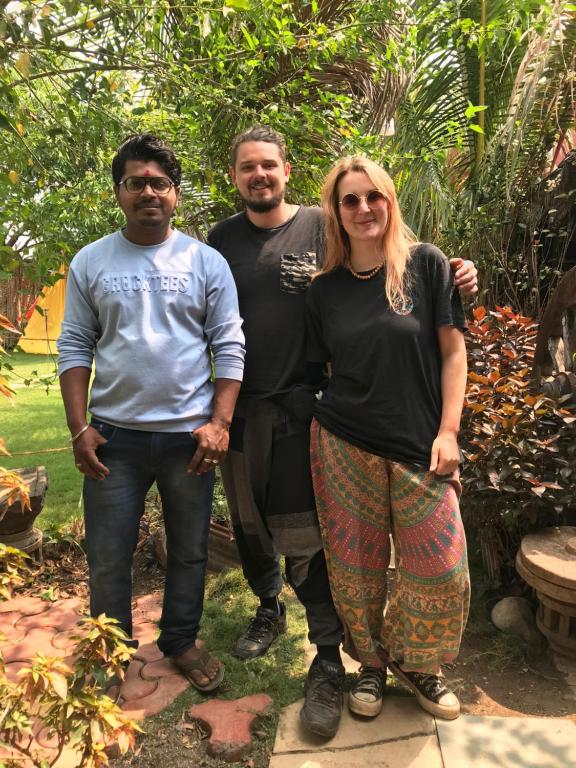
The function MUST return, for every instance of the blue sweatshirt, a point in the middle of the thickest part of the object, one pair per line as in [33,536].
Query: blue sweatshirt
[149,316]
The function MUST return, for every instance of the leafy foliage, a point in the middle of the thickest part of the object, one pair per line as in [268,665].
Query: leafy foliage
[519,446]
[75,78]
[489,101]
[67,700]
[14,570]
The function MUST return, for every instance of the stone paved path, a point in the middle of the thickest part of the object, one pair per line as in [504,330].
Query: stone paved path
[402,736]
[31,625]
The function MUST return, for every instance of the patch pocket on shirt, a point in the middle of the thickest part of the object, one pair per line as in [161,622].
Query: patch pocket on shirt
[296,271]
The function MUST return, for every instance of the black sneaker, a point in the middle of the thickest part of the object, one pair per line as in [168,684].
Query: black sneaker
[365,696]
[324,691]
[431,692]
[261,633]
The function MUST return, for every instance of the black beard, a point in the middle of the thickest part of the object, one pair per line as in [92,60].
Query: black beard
[263,206]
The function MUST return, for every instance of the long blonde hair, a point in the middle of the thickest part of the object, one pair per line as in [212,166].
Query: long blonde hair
[396,242]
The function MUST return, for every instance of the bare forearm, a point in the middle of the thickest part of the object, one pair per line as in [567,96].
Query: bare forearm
[225,395]
[74,387]
[453,383]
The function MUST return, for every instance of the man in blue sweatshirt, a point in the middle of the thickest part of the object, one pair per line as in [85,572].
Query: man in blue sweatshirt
[148,305]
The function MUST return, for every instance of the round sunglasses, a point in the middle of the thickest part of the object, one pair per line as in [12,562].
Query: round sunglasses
[351,201]
[137,184]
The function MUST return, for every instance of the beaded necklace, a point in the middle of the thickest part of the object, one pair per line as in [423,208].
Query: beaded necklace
[368,275]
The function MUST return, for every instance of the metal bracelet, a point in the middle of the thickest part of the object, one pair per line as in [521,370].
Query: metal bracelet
[77,435]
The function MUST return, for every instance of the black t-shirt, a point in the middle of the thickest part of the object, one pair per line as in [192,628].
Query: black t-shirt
[272,269]
[384,394]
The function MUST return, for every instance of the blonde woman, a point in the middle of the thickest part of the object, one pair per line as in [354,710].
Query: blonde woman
[385,315]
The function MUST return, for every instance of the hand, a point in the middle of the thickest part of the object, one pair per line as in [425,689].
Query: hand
[212,447]
[445,456]
[87,461]
[465,276]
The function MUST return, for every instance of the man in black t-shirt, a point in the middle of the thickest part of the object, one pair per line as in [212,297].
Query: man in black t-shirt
[273,249]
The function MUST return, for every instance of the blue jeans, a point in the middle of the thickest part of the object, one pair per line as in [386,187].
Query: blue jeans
[112,511]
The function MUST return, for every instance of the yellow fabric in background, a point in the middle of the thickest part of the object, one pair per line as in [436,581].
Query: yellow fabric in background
[42,330]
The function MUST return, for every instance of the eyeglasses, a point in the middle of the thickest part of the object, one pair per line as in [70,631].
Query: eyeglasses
[137,184]
[373,198]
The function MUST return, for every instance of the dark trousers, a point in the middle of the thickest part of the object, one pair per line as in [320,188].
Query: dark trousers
[268,486]
[113,508]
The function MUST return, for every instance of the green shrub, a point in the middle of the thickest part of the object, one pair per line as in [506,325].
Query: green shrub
[519,446]
[66,699]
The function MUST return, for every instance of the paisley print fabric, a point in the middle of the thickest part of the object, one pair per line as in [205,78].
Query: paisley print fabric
[363,498]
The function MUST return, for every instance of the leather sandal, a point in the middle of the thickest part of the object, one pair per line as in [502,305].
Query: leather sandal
[186,664]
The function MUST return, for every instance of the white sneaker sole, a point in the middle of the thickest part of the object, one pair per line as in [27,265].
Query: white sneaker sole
[365,708]
[444,712]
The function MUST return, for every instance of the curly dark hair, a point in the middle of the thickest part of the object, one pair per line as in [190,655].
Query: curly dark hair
[257,133]
[147,147]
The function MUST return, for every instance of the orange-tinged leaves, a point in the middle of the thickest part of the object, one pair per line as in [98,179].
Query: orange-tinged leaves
[18,492]
[479,313]
[476,377]
[4,388]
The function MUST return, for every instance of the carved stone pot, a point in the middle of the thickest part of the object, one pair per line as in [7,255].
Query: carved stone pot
[17,524]
[222,550]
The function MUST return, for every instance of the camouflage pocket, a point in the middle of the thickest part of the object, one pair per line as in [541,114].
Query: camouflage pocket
[296,271]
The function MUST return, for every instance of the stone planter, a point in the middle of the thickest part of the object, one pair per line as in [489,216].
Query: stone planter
[546,560]
[17,525]
[222,551]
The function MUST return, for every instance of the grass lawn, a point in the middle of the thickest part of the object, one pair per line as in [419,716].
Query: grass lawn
[33,420]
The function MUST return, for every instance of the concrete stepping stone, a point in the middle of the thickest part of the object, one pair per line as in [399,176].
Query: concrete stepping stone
[229,723]
[402,736]
[507,742]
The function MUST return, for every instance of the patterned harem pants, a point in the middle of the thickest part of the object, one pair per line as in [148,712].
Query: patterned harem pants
[361,498]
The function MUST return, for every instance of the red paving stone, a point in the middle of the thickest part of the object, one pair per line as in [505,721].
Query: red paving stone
[26,606]
[151,683]
[229,723]
[62,641]
[148,653]
[37,640]
[161,668]
[32,625]
[13,668]
[167,690]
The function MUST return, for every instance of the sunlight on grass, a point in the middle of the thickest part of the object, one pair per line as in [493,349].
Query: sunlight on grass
[34,420]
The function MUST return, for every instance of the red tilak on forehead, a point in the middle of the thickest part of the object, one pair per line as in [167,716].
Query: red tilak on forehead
[147,173]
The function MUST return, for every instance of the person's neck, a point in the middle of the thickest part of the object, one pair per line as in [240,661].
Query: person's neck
[274,217]
[141,236]
[366,256]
